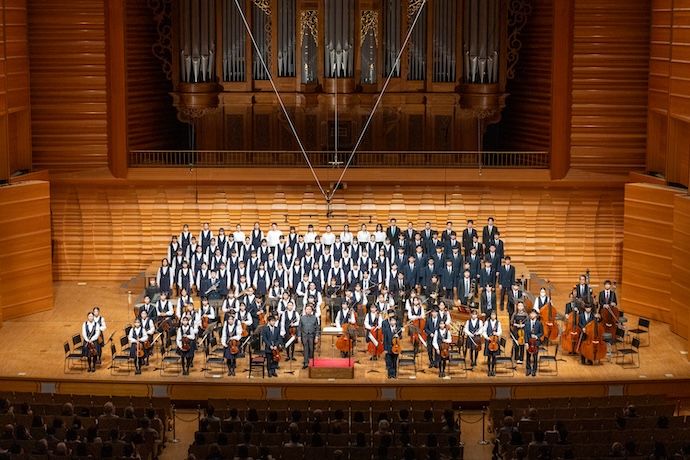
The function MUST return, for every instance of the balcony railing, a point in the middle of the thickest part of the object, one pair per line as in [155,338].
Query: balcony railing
[370,159]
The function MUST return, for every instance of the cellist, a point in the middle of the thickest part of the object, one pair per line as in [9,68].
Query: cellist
[474,328]
[517,324]
[441,336]
[415,312]
[372,321]
[534,332]
[585,319]
[344,316]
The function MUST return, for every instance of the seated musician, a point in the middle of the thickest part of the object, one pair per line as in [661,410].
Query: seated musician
[344,316]
[368,288]
[152,289]
[430,328]
[290,318]
[186,344]
[90,333]
[517,324]
[433,292]
[542,300]
[98,319]
[372,320]
[534,330]
[441,336]
[382,305]
[149,327]
[474,328]
[137,335]
[232,330]
[207,311]
[270,335]
[391,331]
[229,304]
[585,319]
[166,313]
[415,313]
[359,298]
[582,290]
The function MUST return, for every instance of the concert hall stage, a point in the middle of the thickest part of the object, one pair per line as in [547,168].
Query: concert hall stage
[31,352]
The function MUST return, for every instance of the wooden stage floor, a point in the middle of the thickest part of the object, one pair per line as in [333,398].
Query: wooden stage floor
[31,353]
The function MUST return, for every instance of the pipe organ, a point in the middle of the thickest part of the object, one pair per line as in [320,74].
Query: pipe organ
[444,63]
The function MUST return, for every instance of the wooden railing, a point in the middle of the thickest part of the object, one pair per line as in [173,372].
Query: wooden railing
[372,159]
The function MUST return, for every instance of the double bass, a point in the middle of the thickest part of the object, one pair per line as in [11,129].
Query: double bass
[610,315]
[572,332]
[593,347]
[547,315]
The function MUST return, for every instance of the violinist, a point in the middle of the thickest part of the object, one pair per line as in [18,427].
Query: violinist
[186,344]
[137,336]
[150,328]
[90,333]
[182,302]
[207,311]
[289,319]
[492,334]
[585,319]
[246,321]
[166,313]
[542,300]
[232,330]
[391,331]
[372,321]
[607,297]
[474,329]
[517,324]
[308,332]
[534,333]
[100,321]
[272,341]
[443,313]
[441,336]
[430,328]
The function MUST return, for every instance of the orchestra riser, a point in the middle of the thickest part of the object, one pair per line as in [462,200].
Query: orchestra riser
[109,232]
[31,352]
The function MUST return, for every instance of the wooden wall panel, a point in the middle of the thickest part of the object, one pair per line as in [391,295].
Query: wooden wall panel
[25,263]
[68,84]
[526,120]
[649,234]
[659,55]
[680,288]
[679,82]
[114,232]
[151,118]
[609,85]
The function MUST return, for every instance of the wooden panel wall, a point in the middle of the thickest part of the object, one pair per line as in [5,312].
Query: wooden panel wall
[151,118]
[669,91]
[526,120]
[649,251]
[25,262]
[68,84]
[609,85]
[111,232]
[680,289]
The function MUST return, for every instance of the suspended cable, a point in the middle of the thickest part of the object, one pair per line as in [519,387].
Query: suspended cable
[378,100]
[280,101]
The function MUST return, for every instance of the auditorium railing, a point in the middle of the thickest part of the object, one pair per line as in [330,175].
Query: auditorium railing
[326,159]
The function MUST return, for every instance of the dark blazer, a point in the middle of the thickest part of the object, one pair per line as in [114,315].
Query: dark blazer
[612,298]
[271,339]
[395,288]
[538,330]
[485,278]
[485,302]
[151,311]
[506,278]
[467,238]
[450,244]
[461,288]
[583,321]
[475,265]
[393,236]
[425,275]
[388,335]
[495,261]
[448,279]
[429,327]
[411,274]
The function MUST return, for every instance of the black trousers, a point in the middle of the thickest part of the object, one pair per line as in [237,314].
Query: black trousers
[391,364]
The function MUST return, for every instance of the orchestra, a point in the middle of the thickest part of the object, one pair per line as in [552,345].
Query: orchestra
[268,292]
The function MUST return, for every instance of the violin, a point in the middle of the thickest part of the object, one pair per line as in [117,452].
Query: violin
[494,343]
[234,346]
[92,349]
[521,337]
[396,348]
[532,346]
[140,350]
[593,347]
[204,322]
[444,350]
[148,344]
[185,344]
[276,354]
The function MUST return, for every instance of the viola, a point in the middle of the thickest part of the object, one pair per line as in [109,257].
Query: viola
[396,348]
[494,343]
[276,354]
[234,346]
[92,349]
[532,346]
[185,344]
[444,350]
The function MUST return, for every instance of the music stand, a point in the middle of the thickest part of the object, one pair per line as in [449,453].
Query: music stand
[290,341]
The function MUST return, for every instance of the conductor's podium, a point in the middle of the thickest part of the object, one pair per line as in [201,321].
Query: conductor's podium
[332,368]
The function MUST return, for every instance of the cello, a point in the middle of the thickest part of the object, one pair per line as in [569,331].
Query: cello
[344,342]
[593,347]
[377,334]
[548,318]
[571,334]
